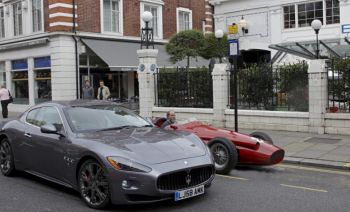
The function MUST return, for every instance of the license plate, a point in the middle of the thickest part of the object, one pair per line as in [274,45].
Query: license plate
[188,193]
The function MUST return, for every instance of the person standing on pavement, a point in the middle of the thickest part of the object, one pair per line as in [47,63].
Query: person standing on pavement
[5,100]
[103,91]
[88,91]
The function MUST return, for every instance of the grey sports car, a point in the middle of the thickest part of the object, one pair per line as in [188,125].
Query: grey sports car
[106,152]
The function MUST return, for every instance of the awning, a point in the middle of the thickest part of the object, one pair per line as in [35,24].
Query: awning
[331,48]
[120,55]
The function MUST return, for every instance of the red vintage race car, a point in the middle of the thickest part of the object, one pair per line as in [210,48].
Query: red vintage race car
[230,148]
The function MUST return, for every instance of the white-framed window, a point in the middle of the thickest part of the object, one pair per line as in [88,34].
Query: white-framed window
[2,22]
[184,19]
[302,14]
[37,15]
[112,17]
[17,14]
[156,23]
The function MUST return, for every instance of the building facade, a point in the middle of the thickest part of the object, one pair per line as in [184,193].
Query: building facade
[48,48]
[286,26]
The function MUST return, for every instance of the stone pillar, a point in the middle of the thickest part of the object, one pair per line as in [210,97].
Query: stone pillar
[31,81]
[318,95]
[8,69]
[147,67]
[63,71]
[220,94]
[344,8]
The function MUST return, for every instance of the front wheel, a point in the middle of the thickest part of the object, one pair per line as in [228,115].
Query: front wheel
[224,153]
[7,164]
[94,185]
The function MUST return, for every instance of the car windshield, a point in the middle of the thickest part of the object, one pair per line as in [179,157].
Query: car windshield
[103,117]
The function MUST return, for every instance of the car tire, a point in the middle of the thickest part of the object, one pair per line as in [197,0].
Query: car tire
[262,136]
[93,184]
[224,153]
[7,162]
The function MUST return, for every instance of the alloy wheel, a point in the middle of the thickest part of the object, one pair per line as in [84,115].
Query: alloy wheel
[93,183]
[6,158]
[220,154]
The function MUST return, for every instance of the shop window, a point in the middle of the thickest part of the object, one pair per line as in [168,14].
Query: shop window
[2,74]
[42,79]
[20,86]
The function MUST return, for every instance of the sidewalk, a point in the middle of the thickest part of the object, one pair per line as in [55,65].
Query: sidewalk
[327,150]
[332,151]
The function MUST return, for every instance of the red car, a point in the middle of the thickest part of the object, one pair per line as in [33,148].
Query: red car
[230,148]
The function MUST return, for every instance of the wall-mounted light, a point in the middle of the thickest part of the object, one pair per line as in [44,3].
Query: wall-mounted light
[244,25]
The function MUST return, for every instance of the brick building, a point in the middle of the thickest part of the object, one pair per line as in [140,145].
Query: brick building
[48,48]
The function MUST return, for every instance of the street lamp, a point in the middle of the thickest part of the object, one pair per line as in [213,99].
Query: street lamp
[244,25]
[147,32]
[316,25]
[219,34]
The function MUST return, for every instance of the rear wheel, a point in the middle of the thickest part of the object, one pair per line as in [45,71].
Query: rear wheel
[224,153]
[94,185]
[262,136]
[7,164]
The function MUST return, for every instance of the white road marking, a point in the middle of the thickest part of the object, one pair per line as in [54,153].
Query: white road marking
[304,188]
[232,177]
[323,170]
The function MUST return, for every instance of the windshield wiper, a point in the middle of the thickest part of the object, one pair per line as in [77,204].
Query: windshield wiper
[117,128]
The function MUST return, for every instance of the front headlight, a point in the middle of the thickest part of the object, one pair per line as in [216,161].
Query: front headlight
[124,164]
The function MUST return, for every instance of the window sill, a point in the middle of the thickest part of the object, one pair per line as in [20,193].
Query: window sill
[301,29]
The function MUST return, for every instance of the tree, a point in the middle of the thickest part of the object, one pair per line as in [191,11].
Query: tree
[185,44]
[214,48]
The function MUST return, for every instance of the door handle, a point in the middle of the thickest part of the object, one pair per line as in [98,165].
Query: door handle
[27,135]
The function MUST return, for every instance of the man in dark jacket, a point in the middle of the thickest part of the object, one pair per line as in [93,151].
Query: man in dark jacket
[171,119]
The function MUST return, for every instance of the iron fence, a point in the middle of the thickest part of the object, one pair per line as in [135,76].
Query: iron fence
[339,85]
[267,87]
[184,87]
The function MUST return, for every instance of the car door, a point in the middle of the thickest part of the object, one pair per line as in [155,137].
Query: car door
[47,150]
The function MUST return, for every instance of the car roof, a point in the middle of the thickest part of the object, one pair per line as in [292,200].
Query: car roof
[78,103]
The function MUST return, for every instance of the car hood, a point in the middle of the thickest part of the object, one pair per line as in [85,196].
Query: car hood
[149,145]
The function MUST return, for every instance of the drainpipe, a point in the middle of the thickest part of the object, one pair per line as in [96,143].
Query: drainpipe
[76,51]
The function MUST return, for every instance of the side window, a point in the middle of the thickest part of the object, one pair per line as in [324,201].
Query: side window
[49,115]
[31,117]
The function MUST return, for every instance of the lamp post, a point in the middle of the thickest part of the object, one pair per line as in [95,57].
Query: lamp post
[316,25]
[244,25]
[219,34]
[147,32]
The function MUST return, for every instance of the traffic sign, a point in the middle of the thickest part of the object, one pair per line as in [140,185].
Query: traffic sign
[234,47]
[345,28]
[233,29]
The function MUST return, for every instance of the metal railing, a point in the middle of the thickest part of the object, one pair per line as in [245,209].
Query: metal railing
[339,85]
[184,87]
[267,87]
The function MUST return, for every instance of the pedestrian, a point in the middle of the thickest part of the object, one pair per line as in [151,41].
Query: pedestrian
[88,91]
[6,99]
[103,91]
[170,119]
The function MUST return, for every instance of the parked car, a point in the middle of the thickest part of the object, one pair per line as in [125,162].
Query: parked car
[106,152]
[230,148]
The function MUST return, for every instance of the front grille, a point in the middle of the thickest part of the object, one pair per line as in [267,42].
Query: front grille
[185,178]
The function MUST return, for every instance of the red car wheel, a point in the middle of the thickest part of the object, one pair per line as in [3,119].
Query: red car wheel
[224,153]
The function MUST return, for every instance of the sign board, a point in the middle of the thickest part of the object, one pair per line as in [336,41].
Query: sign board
[345,28]
[233,29]
[234,47]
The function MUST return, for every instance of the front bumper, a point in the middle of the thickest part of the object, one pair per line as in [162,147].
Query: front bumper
[142,187]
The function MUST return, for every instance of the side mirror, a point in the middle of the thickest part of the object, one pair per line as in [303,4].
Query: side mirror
[174,127]
[49,129]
